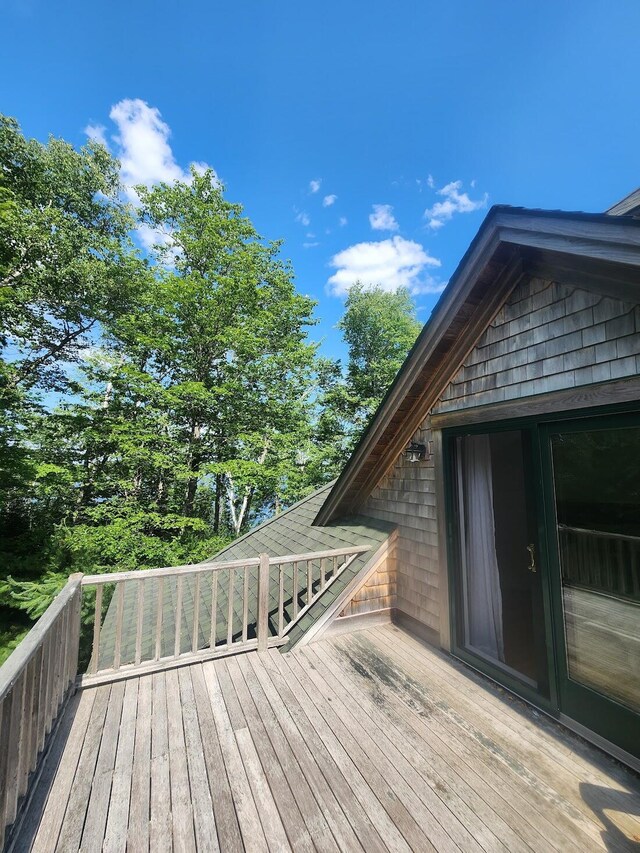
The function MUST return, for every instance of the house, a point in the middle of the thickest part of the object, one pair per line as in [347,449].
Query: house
[519,532]
[402,660]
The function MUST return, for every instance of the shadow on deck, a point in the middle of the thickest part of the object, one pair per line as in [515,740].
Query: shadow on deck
[369,741]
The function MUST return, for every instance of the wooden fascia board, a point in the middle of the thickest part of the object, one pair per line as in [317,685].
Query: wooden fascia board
[572,231]
[467,339]
[609,393]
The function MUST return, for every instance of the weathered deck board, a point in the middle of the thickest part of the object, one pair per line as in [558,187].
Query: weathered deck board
[161,819]
[313,747]
[516,733]
[367,741]
[138,828]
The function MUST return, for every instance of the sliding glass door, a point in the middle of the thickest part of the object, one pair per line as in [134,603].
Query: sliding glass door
[545,547]
[593,500]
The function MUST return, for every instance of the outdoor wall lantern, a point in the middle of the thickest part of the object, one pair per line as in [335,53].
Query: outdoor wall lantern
[416,452]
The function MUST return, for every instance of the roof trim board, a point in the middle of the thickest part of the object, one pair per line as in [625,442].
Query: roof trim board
[510,243]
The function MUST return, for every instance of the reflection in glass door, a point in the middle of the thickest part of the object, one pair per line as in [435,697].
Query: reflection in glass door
[500,610]
[596,481]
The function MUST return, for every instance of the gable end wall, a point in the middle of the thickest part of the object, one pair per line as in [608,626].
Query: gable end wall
[547,337]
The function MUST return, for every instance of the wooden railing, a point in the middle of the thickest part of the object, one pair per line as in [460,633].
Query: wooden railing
[146,621]
[159,618]
[34,682]
[603,562]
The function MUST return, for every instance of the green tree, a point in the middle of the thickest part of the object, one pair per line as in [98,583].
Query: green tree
[192,418]
[67,270]
[67,264]
[229,347]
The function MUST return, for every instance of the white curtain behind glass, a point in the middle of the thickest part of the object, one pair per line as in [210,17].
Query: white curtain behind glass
[484,597]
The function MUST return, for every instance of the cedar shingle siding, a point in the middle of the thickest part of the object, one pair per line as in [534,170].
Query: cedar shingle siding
[546,337]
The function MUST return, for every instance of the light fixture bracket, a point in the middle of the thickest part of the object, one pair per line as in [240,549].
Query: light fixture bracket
[416,452]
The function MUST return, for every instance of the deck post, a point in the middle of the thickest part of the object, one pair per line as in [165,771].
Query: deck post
[263,603]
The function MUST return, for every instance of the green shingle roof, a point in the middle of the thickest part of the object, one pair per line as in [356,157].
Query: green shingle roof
[291,532]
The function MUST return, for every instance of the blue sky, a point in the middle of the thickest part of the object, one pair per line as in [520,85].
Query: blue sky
[370,136]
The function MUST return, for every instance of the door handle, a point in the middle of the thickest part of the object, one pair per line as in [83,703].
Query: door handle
[532,556]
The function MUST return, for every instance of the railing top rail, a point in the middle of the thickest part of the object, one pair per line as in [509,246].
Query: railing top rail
[319,555]
[16,662]
[197,568]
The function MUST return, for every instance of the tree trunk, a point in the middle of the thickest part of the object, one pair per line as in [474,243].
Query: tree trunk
[194,463]
[218,504]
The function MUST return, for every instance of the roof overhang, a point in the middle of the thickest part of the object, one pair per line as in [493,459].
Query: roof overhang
[593,251]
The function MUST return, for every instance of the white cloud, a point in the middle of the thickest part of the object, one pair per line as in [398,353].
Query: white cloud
[141,143]
[314,186]
[343,221]
[310,245]
[382,218]
[430,182]
[455,201]
[303,218]
[328,200]
[391,263]
[143,140]
[97,132]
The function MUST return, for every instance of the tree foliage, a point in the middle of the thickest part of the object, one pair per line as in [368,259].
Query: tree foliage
[379,328]
[153,406]
[66,261]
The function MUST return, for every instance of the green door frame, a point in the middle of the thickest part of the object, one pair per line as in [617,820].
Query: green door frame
[607,717]
[596,717]
[546,702]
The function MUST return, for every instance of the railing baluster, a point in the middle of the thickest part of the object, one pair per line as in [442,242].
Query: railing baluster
[230,608]
[280,599]
[25,729]
[139,621]
[119,616]
[159,618]
[96,630]
[214,610]
[35,734]
[323,572]
[44,688]
[335,567]
[263,604]
[295,589]
[51,679]
[61,653]
[196,616]
[309,580]
[245,606]
[11,780]
[178,637]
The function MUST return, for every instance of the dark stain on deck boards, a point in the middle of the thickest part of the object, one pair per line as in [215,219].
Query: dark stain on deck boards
[420,699]
[375,668]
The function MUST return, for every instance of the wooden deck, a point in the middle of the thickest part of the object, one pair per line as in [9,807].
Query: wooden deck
[370,741]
